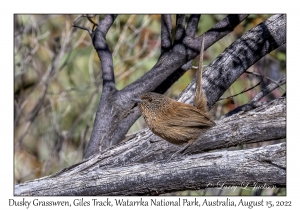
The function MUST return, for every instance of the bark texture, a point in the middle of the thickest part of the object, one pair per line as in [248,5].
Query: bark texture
[116,112]
[135,158]
[259,166]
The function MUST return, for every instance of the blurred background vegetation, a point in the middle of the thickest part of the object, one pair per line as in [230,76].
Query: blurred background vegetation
[57,84]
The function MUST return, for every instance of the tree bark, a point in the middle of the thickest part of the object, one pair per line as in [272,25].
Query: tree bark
[136,156]
[263,166]
[238,57]
[116,112]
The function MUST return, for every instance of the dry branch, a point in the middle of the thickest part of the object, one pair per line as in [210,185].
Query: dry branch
[116,113]
[252,167]
[238,57]
[264,123]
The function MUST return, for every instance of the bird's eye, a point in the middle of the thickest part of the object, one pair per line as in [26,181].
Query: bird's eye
[149,99]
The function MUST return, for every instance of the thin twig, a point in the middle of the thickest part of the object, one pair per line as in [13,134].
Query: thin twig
[269,89]
[89,17]
[81,39]
[81,27]
[245,90]
[255,101]
[260,75]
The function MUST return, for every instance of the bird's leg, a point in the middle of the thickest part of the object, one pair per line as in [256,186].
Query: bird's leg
[181,150]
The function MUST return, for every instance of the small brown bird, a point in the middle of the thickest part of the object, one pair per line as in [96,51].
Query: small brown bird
[176,122]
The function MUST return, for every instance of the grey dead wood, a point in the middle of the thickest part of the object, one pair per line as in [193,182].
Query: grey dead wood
[263,166]
[131,162]
[116,112]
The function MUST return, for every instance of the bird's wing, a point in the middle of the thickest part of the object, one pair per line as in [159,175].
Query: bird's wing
[191,117]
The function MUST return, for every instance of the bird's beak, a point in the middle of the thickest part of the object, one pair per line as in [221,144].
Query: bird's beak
[137,100]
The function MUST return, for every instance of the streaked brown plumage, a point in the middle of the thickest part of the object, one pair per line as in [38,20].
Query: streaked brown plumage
[176,122]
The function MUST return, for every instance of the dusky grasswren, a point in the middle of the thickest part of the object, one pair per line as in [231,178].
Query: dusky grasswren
[177,122]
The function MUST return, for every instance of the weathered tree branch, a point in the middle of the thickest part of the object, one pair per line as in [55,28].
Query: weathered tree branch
[116,112]
[259,166]
[267,122]
[99,42]
[101,47]
[166,33]
[169,66]
[192,25]
[220,30]
[180,27]
[238,57]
